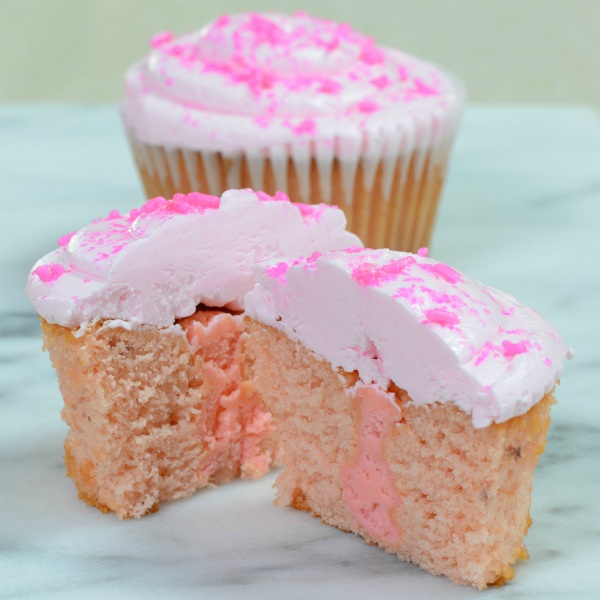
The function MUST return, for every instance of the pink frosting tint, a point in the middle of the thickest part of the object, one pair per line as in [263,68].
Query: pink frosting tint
[368,487]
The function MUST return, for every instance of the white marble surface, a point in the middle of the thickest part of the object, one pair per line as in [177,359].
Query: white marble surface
[521,212]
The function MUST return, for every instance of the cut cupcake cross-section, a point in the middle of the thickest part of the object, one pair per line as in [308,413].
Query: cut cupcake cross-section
[412,403]
[142,316]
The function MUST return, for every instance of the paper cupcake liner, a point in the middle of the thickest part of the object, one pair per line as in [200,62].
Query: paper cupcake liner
[387,205]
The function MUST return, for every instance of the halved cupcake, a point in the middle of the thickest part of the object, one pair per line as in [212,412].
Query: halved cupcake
[411,401]
[142,316]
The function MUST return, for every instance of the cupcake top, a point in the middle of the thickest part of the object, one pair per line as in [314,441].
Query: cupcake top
[416,322]
[250,81]
[157,263]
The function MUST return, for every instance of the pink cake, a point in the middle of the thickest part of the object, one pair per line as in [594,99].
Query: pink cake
[411,402]
[142,316]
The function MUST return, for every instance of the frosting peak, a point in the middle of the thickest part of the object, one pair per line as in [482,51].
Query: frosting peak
[283,47]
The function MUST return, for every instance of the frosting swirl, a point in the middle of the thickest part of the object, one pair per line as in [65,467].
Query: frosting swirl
[281,77]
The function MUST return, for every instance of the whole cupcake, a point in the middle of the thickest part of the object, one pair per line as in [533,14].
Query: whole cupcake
[301,105]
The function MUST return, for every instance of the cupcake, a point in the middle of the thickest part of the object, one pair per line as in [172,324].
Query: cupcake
[302,105]
[141,314]
[412,404]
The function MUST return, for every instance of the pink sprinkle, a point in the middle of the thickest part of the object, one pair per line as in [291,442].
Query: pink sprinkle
[114,214]
[448,273]
[278,197]
[198,202]
[278,271]
[281,197]
[398,266]
[194,202]
[153,205]
[547,361]
[403,72]
[367,106]
[508,311]
[511,349]
[222,21]
[372,275]
[312,212]
[263,121]
[423,89]
[381,82]
[307,126]
[161,38]
[422,252]
[65,239]
[311,261]
[370,53]
[353,249]
[265,30]
[442,317]
[329,86]
[49,272]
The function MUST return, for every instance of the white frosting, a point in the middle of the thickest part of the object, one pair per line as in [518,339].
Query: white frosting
[157,263]
[434,332]
[283,87]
